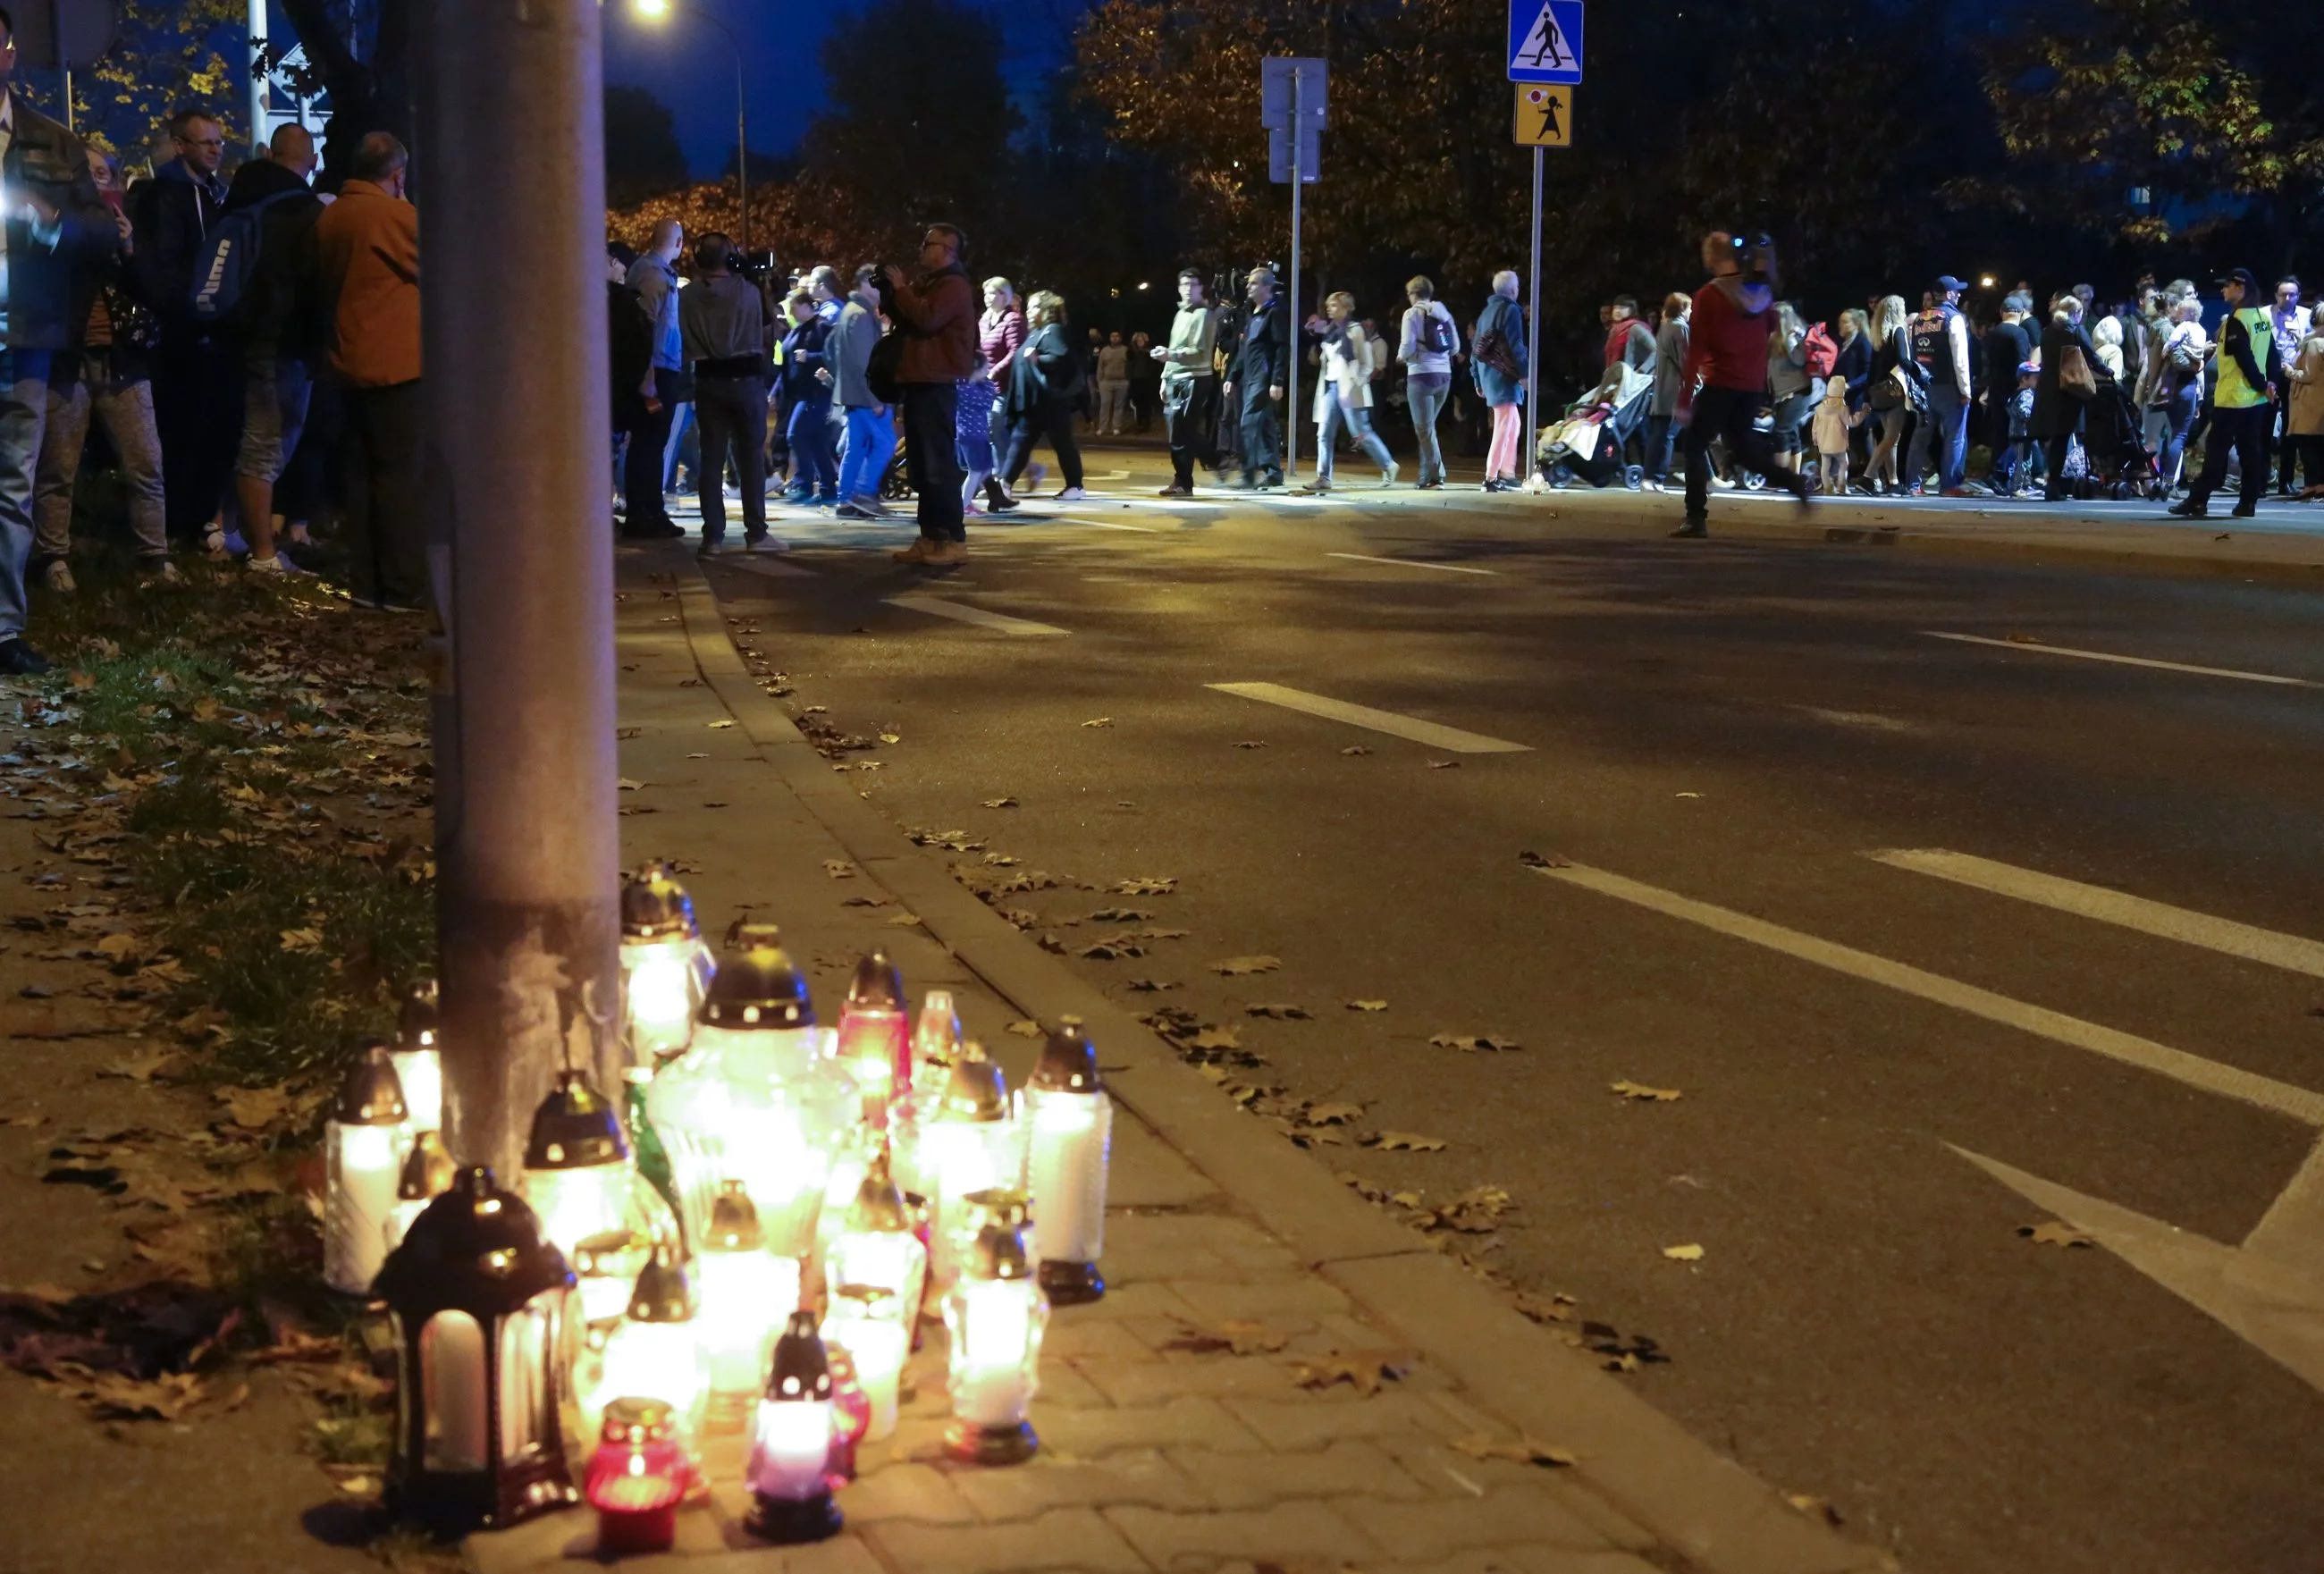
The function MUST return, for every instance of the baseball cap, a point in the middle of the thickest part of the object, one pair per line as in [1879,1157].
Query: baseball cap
[1946,282]
[2242,276]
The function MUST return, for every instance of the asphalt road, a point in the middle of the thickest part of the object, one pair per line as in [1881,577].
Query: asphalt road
[1708,741]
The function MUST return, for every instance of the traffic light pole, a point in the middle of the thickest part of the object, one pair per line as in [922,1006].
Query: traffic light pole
[511,175]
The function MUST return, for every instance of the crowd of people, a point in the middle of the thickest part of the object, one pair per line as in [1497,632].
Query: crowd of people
[248,347]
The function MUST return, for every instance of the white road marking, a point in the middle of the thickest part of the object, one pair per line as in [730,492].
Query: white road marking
[1451,739]
[1021,628]
[2289,952]
[1412,562]
[1875,721]
[2125,660]
[1112,525]
[772,567]
[2194,1070]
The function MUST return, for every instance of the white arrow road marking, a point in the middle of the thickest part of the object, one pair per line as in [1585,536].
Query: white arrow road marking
[2193,1069]
[2125,660]
[1450,739]
[1021,627]
[2267,1290]
[1411,563]
[2288,952]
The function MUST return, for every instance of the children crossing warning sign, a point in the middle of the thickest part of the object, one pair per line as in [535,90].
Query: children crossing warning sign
[1545,117]
[1545,40]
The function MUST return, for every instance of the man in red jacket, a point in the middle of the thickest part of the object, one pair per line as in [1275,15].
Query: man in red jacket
[937,319]
[1734,315]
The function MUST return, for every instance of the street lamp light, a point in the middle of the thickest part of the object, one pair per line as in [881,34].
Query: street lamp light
[658,11]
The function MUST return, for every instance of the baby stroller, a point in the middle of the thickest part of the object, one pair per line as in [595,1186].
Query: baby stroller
[1587,443]
[2121,466]
[896,481]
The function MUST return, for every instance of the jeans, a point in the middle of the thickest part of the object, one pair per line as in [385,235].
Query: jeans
[1190,415]
[1731,413]
[1262,439]
[1426,392]
[273,413]
[126,408]
[1050,419]
[1659,438]
[870,445]
[2178,422]
[386,545]
[1946,422]
[674,446]
[733,413]
[24,411]
[931,419]
[1112,405]
[1358,424]
[2244,432]
[643,474]
[814,467]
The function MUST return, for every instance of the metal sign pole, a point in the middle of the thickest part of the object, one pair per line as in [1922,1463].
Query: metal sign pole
[1532,328]
[1291,374]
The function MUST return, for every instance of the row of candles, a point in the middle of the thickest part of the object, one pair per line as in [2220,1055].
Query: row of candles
[747,1238]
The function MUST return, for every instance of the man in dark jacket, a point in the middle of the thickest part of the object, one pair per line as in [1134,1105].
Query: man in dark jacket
[196,392]
[278,324]
[1261,368]
[57,229]
[2006,346]
[937,319]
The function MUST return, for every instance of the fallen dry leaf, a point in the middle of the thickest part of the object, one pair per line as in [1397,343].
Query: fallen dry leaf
[1146,885]
[838,869]
[1363,1370]
[1235,1336]
[1027,1029]
[1281,1013]
[1000,803]
[1689,1253]
[1368,1004]
[903,920]
[1099,722]
[626,784]
[1241,966]
[1356,748]
[1339,1114]
[1213,1038]
[1474,1042]
[1250,743]
[1542,861]
[1444,764]
[1688,795]
[1406,1142]
[302,940]
[2054,1232]
[1556,1308]
[1120,915]
[1638,1093]
[254,1108]
[719,726]
[1150,986]
[1814,1507]
[1517,1451]
[1112,948]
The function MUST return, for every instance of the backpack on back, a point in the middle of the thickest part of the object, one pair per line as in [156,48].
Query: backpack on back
[1436,336]
[229,261]
[1823,354]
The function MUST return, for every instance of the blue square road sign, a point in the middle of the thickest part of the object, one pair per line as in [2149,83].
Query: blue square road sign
[1545,40]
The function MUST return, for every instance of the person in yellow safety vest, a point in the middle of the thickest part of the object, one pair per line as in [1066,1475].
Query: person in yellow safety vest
[2243,406]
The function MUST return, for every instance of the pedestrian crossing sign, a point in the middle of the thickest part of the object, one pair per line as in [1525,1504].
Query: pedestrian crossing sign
[1545,117]
[1545,40]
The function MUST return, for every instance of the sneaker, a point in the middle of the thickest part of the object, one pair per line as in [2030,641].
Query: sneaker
[2243,511]
[711,549]
[275,566]
[1721,484]
[1431,483]
[765,544]
[1316,488]
[848,510]
[161,571]
[972,509]
[214,543]
[1389,475]
[1174,490]
[59,577]
[1073,494]
[18,660]
[918,552]
[1692,530]
[1034,475]
[653,531]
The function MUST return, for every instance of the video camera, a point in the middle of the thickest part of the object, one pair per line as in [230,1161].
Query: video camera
[1755,255]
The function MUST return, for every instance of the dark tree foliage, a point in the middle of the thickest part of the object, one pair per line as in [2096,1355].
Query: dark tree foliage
[642,158]
[362,52]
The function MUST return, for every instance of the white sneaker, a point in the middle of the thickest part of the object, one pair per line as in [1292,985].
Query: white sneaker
[214,543]
[1388,476]
[279,564]
[59,577]
[766,544]
[1071,494]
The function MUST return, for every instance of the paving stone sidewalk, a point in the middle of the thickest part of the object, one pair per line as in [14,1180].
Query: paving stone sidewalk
[1237,1400]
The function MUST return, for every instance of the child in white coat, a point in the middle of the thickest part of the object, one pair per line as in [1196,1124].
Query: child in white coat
[1831,424]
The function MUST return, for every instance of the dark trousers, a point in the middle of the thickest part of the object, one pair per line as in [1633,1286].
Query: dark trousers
[1729,413]
[387,558]
[1190,413]
[1262,437]
[814,466]
[2054,464]
[2288,450]
[2244,432]
[641,469]
[1053,419]
[198,415]
[732,412]
[931,456]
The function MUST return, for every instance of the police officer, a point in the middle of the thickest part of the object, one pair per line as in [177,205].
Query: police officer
[2242,404]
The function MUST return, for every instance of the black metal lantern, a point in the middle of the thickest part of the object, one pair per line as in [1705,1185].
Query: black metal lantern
[479,1305]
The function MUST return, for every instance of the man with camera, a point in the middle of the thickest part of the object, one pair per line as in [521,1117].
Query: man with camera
[1725,384]
[936,319]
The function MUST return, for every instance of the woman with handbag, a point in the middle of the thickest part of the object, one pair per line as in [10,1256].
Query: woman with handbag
[2068,383]
[1498,348]
[1892,392]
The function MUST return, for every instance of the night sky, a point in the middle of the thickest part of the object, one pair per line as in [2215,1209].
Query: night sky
[688,65]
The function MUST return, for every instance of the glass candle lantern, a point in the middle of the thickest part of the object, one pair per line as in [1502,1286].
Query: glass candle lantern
[747,1295]
[477,1302]
[656,1352]
[427,1174]
[665,969]
[969,1144]
[637,1479]
[419,1057]
[1069,1121]
[862,1320]
[605,1268]
[754,1100]
[936,1042]
[995,1315]
[879,1246]
[362,1156]
[851,1417]
[578,1174]
[875,1042]
[790,1496]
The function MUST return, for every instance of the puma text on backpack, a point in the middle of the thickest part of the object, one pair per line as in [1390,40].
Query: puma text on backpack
[229,261]
[1821,353]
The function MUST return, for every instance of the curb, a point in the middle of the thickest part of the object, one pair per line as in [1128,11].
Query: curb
[1722,1519]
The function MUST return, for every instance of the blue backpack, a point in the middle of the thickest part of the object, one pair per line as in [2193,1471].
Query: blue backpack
[229,261]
